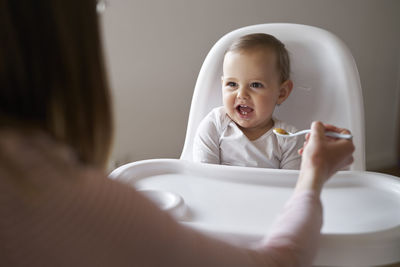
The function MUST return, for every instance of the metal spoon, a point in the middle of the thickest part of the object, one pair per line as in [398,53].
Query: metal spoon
[284,133]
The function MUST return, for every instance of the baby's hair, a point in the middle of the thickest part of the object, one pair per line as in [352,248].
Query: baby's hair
[263,40]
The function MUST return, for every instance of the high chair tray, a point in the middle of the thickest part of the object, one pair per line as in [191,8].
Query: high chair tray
[239,204]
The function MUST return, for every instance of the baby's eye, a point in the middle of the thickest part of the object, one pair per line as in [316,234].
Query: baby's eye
[231,84]
[256,85]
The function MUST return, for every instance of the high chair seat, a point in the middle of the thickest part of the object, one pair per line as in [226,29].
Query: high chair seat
[326,83]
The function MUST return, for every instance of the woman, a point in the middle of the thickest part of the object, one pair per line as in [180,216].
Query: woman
[58,208]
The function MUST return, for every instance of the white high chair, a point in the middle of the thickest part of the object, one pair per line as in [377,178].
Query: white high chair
[326,83]
[239,204]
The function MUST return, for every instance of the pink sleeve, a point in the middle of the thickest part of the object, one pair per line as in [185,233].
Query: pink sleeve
[293,239]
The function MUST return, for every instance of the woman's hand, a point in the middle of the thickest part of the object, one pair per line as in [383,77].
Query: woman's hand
[322,156]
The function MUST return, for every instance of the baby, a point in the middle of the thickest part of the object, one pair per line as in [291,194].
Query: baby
[255,79]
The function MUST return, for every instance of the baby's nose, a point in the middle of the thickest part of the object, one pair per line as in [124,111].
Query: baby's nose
[242,93]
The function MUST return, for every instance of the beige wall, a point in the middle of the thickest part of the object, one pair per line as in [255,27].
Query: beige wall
[155,50]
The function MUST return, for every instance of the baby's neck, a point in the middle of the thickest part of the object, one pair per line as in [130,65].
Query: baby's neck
[255,133]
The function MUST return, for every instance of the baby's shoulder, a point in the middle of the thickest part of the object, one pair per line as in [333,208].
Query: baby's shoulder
[216,118]
[283,125]
[284,142]
[220,117]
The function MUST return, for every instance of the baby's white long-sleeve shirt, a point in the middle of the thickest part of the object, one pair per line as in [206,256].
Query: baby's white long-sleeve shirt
[219,140]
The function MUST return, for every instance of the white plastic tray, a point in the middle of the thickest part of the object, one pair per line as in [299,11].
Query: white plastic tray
[239,204]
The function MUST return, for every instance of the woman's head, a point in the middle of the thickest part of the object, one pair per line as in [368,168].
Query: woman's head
[52,74]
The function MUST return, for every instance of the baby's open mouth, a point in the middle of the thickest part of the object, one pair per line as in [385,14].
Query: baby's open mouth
[243,109]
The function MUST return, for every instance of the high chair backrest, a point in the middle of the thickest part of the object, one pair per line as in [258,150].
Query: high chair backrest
[325,76]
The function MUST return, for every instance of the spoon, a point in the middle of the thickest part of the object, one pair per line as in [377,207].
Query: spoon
[284,133]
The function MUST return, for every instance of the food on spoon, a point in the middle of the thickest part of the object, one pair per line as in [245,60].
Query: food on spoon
[281,131]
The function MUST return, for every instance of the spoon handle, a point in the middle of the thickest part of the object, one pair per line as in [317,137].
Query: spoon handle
[338,135]
[328,133]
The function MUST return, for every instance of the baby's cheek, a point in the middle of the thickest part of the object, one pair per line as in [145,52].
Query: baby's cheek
[228,100]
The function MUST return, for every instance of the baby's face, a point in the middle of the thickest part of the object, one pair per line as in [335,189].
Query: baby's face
[251,89]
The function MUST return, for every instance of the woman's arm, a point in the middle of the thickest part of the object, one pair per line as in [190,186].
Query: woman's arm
[72,215]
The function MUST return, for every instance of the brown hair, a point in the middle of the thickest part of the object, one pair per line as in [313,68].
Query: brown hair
[52,74]
[262,40]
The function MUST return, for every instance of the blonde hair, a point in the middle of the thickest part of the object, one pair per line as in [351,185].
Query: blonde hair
[52,74]
[267,41]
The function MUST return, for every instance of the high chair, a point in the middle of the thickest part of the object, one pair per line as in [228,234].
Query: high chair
[239,204]
[326,83]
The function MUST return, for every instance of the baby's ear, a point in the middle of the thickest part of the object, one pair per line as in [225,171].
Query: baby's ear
[284,91]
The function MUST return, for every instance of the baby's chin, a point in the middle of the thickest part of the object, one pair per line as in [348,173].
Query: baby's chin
[243,123]
[251,124]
